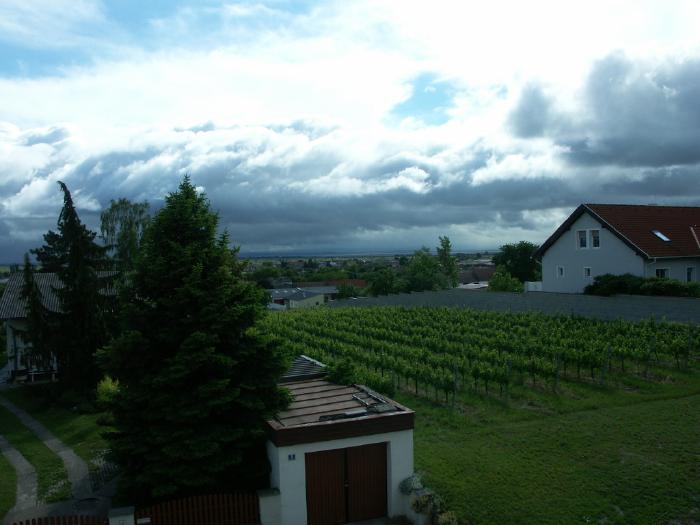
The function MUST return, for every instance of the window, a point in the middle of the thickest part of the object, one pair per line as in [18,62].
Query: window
[660,235]
[662,273]
[595,238]
[582,238]
[586,271]
[690,273]
[560,272]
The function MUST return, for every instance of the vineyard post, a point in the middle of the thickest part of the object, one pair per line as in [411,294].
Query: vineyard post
[508,382]
[556,373]
[609,358]
[602,372]
[454,390]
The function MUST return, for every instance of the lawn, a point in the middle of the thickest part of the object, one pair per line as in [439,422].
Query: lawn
[8,482]
[606,457]
[76,428]
[52,475]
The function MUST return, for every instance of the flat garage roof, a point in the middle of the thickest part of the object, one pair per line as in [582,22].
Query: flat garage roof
[322,411]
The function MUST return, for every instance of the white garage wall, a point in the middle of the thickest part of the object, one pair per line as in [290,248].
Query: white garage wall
[289,475]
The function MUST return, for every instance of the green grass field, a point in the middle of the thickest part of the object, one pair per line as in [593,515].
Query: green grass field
[52,475]
[80,431]
[590,455]
[8,482]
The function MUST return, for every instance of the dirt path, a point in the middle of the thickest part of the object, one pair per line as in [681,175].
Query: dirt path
[77,469]
[26,477]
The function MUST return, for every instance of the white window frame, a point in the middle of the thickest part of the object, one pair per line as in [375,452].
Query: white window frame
[593,247]
[667,271]
[690,272]
[578,239]
[560,274]
[589,274]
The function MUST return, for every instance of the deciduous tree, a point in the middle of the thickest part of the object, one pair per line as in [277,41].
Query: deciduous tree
[519,261]
[122,226]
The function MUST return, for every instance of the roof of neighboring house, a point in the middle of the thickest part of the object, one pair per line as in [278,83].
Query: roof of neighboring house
[636,225]
[359,283]
[300,295]
[13,305]
[322,411]
[321,289]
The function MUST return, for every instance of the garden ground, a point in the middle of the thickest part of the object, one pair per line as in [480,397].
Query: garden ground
[589,455]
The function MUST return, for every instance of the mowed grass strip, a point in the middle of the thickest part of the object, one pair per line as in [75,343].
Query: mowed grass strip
[52,476]
[79,431]
[8,486]
[636,464]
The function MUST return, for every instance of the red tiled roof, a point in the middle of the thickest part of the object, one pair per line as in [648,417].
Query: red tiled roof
[637,223]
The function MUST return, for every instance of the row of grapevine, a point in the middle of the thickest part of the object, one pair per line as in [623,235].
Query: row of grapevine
[444,350]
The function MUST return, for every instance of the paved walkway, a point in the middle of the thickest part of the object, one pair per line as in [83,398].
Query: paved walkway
[26,476]
[629,307]
[78,472]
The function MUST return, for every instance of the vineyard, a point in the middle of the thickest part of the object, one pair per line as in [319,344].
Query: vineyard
[440,352]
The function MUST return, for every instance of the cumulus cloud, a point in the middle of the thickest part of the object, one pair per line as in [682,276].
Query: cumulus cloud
[345,126]
[633,113]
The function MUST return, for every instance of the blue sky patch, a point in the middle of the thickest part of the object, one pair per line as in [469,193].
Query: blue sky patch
[430,101]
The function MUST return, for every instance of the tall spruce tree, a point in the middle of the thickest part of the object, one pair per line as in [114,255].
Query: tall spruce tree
[197,381]
[80,327]
[39,321]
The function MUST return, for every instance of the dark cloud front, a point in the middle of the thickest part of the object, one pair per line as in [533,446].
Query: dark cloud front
[267,205]
[632,116]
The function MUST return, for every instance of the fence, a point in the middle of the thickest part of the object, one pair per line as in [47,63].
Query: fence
[220,509]
[64,520]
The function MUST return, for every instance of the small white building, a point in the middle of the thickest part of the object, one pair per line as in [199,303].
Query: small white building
[338,453]
[597,239]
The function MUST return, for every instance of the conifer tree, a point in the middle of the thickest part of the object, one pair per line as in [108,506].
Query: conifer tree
[38,317]
[196,379]
[80,327]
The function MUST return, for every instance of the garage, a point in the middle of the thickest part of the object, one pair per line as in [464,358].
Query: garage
[346,485]
[337,454]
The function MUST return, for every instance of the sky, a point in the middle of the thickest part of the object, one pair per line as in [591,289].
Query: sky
[347,127]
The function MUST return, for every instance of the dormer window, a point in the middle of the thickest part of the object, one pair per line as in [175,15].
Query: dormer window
[660,235]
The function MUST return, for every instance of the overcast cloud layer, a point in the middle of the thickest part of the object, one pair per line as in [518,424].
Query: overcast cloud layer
[348,126]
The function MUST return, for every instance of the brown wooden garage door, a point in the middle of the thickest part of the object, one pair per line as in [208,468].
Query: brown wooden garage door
[346,484]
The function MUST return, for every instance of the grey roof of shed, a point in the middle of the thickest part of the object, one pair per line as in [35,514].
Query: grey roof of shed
[302,368]
[13,305]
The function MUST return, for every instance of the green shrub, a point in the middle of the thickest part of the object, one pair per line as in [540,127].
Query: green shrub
[609,284]
[107,388]
[502,281]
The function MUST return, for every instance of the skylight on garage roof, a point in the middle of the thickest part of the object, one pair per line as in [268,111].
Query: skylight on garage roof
[660,235]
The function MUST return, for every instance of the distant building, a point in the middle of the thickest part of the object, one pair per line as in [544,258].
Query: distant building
[597,239]
[297,297]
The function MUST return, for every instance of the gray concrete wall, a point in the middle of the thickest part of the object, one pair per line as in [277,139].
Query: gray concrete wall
[613,256]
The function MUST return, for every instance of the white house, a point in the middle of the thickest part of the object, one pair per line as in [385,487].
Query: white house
[648,241]
[338,453]
[22,365]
